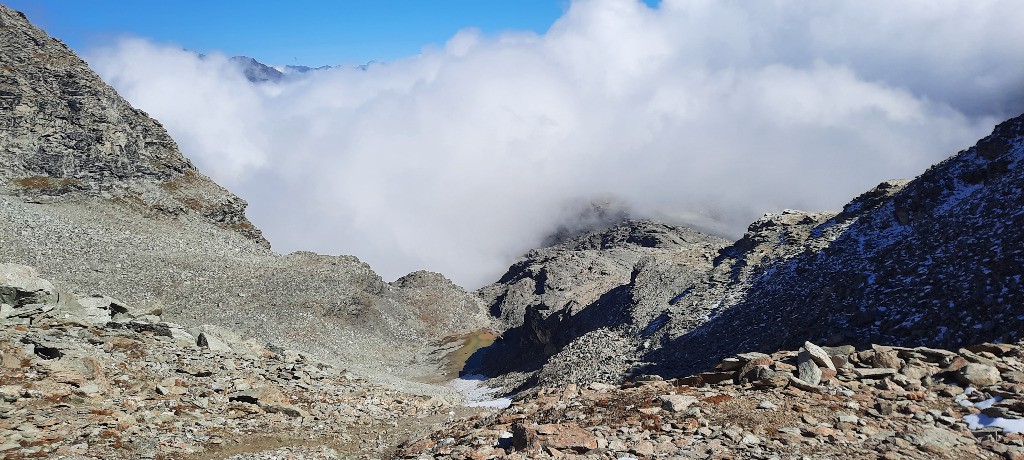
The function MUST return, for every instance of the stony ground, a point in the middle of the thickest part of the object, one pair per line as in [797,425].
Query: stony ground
[836,402]
[87,377]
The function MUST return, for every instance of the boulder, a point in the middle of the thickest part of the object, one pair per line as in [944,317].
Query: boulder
[21,285]
[212,342]
[94,309]
[886,357]
[978,375]
[677,403]
[819,356]
[571,438]
[270,399]
[748,371]
[998,349]
[226,338]
[805,386]
[807,368]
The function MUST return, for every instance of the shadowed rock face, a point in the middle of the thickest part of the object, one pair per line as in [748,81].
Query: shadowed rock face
[554,296]
[936,261]
[65,131]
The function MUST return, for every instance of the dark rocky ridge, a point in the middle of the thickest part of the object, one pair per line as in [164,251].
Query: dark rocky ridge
[936,261]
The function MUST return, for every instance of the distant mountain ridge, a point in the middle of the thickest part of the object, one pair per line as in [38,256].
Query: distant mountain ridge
[258,72]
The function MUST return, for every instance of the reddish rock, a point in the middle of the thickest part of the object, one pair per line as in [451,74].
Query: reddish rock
[571,438]
[524,438]
[956,364]
[691,381]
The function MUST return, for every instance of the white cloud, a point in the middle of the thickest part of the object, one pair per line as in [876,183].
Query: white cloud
[459,159]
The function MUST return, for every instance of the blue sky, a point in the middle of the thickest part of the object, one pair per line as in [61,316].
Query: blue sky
[306,32]
[705,113]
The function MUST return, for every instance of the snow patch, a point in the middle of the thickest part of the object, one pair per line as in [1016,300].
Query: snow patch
[988,402]
[1009,426]
[476,394]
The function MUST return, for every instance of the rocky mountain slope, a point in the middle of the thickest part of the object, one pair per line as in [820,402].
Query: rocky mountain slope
[584,286]
[217,341]
[66,131]
[934,261]
[96,195]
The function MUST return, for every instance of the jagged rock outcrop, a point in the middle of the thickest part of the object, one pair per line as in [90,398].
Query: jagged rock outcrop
[934,261]
[444,308]
[555,295]
[66,132]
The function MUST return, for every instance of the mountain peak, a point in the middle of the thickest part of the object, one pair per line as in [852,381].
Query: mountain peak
[66,132]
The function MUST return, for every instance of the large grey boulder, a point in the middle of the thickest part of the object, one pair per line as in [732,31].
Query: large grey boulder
[21,285]
[93,309]
[978,375]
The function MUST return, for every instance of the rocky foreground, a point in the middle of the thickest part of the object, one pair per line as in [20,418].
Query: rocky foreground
[88,377]
[835,402]
[85,376]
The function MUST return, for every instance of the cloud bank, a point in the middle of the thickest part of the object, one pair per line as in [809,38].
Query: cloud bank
[460,158]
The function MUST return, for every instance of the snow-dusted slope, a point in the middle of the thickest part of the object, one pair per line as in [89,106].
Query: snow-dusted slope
[936,261]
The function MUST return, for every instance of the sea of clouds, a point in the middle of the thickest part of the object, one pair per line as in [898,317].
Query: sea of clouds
[710,113]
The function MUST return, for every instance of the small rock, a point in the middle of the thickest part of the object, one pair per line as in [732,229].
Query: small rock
[212,342]
[645,448]
[874,373]
[677,403]
[885,357]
